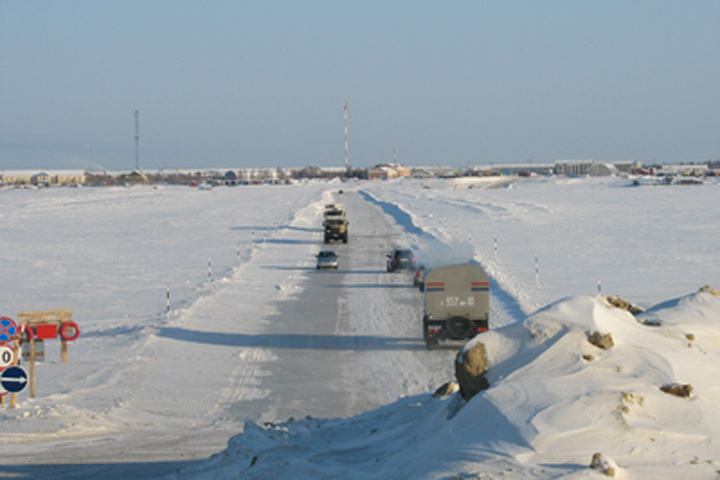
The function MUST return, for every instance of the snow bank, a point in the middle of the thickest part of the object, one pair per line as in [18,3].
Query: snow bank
[555,400]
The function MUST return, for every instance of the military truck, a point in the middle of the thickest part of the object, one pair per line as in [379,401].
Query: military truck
[457,303]
[336,228]
[334,210]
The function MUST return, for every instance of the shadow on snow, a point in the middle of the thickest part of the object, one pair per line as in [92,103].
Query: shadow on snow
[293,341]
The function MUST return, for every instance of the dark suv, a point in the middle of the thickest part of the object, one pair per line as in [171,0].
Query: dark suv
[400,259]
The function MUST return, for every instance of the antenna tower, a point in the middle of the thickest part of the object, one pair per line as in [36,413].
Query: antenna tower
[137,139]
[345,117]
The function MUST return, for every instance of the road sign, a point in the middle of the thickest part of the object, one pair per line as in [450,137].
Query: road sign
[14,379]
[7,355]
[8,329]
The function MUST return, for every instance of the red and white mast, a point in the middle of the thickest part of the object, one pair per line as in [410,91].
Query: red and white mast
[345,116]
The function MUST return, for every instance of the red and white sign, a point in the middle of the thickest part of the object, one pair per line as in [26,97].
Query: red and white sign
[7,355]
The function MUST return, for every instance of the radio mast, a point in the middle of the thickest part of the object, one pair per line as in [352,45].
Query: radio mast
[345,116]
[137,140]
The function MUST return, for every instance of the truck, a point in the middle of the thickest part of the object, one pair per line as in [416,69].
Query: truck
[334,210]
[336,228]
[457,303]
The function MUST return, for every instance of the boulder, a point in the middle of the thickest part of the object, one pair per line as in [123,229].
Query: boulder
[710,290]
[677,389]
[446,389]
[604,465]
[470,368]
[601,340]
[623,304]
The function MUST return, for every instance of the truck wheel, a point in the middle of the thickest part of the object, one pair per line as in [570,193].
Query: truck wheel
[459,327]
[345,238]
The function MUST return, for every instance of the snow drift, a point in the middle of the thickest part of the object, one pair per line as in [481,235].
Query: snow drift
[554,401]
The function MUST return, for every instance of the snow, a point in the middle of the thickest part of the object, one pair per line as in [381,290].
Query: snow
[264,368]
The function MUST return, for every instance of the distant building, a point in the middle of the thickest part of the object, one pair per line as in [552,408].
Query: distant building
[572,167]
[602,170]
[388,171]
[230,178]
[43,178]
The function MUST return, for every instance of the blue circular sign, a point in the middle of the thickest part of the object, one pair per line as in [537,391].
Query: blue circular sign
[14,379]
[8,329]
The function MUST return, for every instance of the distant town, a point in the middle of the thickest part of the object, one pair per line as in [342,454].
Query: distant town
[250,176]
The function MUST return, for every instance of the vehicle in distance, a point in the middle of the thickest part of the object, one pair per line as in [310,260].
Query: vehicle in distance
[457,303]
[334,210]
[327,259]
[400,259]
[419,277]
[336,228]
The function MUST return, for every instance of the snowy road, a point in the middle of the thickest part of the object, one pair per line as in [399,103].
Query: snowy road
[320,343]
[349,340]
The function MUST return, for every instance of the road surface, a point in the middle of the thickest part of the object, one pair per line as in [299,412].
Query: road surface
[326,344]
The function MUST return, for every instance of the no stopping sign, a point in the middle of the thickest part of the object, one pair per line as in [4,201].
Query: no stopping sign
[8,328]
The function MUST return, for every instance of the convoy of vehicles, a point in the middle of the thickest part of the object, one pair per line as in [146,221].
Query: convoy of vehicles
[456,297]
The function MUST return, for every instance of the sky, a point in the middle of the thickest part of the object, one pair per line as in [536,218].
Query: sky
[263,84]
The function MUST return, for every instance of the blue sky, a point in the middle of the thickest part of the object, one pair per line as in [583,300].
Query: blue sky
[263,83]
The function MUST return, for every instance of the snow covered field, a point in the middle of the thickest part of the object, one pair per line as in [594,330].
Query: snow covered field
[148,394]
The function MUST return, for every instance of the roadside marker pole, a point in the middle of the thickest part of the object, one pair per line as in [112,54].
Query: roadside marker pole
[496,247]
[167,296]
[537,271]
[599,285]
[209,269]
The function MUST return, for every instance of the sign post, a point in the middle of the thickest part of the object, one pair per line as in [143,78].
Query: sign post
[38,326]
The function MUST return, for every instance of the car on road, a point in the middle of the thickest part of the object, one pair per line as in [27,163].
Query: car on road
[400,259]
[327,259]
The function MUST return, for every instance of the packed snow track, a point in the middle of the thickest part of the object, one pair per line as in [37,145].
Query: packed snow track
[323,344]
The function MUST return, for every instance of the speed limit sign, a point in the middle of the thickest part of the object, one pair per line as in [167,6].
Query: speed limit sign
[6,356]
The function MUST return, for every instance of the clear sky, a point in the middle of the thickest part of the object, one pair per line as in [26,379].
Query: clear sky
[263,83]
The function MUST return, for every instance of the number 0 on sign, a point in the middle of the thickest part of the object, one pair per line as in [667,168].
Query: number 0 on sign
[6,356]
